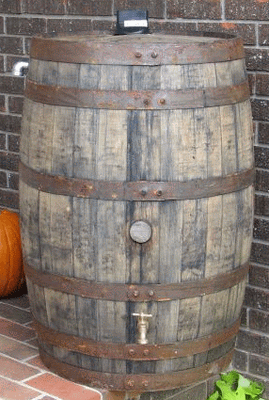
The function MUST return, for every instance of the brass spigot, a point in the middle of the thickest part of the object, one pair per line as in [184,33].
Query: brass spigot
[142,327]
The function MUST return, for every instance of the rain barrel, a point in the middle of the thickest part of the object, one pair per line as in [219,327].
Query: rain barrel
[136,199]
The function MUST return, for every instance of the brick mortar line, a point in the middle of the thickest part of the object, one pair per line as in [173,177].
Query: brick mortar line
[259,265]
[261,97]
[31,387]
[6,102]
[9,113]
[260,72]
[260,217]
[261,193]
[7,151]
[2,207]
[261,145]
[256,333]
[42,371]
[7,189]
[18,341]
[18,361]
[222,5]
[263,358]
[262,169]
[29,340]
[255,127]
[9,171]
[257,33]
[261,122]
[247,316]
[49,372]
[254,375]
[251,47]
[258,288]
[3,302]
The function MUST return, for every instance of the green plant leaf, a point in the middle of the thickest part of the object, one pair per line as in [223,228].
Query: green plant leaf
[240,393]
[214,396]
[226,391]
[230,378]
[244,382]
[233,386]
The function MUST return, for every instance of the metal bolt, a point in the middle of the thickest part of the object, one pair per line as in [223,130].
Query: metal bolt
[135,293]
[138,55]
[145,383]
[144,192]
[151,293]
[131,352]
[159,192]
[154,54]
[176,352]
[130,383]
[146,352]
[162,101]
[146,102]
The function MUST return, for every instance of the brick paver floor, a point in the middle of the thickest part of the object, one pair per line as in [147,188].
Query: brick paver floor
[22,374]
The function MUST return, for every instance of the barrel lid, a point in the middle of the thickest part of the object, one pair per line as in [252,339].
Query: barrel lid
[150,49]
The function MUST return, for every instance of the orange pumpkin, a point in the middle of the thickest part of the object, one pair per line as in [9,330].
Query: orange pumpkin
[11,266]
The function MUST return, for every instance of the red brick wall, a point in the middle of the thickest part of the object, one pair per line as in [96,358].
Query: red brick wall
[20,19]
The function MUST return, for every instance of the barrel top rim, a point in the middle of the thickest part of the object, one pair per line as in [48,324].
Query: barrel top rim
[150,49]
[154,38]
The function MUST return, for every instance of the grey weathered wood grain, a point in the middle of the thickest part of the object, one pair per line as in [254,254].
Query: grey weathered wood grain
[37,302]
[29,222]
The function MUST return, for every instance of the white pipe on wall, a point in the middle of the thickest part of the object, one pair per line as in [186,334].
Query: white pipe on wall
[19,68]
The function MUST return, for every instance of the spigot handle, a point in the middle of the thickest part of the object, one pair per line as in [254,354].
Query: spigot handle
[142,316]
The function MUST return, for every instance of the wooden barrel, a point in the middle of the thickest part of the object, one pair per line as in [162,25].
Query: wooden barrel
[136,205]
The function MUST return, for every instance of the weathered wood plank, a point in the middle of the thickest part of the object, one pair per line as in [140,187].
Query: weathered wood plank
[56,236]
[244,135]
[68,75]
[62,142]
[194,239]
[171,234]
[229,232]
[189,319]
[228,139]
[66,356]
[213,141]
[41,136]
[111,322]
[240,298]
[223,74]
[29,218]
[214,233]
[213,312]
[231,307]
[238,71]
[61,311]
[84,238]
[89,76]
[85,143]
[37,302]
[111,235]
